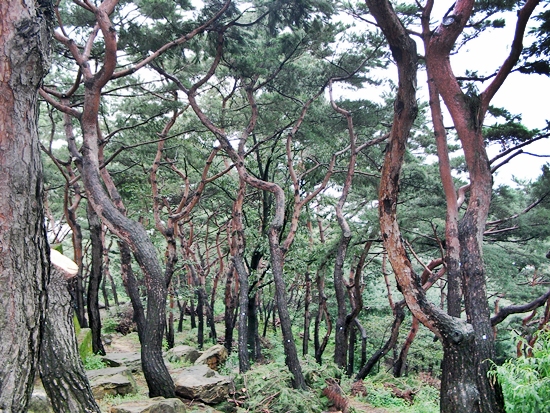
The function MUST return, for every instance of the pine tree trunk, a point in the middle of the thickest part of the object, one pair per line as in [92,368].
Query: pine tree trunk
[342,327]
[61,368]
[307,315]
[24,269]
[244,358]
[291,355]
[254,343]
[229,317]
[95,281]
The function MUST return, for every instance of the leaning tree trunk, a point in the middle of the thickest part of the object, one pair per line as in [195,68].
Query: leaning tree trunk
[291,354]
[24,269]
[61,368]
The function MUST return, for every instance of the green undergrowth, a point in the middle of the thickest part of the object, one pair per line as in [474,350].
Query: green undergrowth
[380,393]
[94,362]
[110,400]
[525,381]
[267,387]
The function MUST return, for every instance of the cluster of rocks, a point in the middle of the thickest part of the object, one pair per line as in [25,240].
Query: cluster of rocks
[200,382]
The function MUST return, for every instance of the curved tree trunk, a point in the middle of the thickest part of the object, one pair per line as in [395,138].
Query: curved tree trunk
[61,368]
[390,343]
[24,268]
[460,393]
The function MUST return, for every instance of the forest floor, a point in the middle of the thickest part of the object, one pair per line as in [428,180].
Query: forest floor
[129,343]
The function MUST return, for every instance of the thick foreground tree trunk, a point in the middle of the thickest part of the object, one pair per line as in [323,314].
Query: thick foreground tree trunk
[24,268]
[61,368]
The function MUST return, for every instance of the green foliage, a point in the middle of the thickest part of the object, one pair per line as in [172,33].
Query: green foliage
[94,362]
[111,400]
[109,325]
[380,394]
[526,380]
[84,339]
[267,387]
[511,132]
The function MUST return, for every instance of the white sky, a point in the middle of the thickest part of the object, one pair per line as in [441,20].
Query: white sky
[521,94]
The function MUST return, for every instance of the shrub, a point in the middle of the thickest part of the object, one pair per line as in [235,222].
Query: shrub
[526,380]
[267,388]
[109,325]
[94,362]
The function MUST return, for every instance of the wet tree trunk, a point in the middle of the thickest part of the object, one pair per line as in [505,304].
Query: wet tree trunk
[130,283]
[254,342]
[95,281]
[322,313]
[341,334]
[307,314]
[24,268]
[243,326]
[351,350]
[170,338]
[107,268]
[61,369]
[76,283]
[193,312]
[200,317]
[291,355]
[182,308]
[230,302]
[363,342]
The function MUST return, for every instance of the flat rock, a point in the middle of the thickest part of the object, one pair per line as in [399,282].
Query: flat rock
[204,384]
[183,353]
[130,360]
[113,381]
[155,405]
[214,357]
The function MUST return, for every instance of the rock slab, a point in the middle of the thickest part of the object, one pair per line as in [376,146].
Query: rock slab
[113,381]
[130,360]
[204,384]
[182,353]
[154,405]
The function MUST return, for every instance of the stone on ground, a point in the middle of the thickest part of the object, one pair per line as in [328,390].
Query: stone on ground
[204,384]
[113,381]
[214,357]
[184,353]
[131,360]
[155,405]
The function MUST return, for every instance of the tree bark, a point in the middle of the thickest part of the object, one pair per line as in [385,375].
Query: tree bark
[460,394]
[307,314]
[61,368]
[468,112]
[94,281]
[24,268]
[77,283]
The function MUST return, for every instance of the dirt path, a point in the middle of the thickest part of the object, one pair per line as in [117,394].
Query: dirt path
[365,408]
